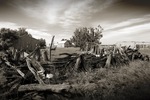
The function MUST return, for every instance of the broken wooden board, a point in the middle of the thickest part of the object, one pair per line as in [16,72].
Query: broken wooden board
[59,88]
[34,71]
[14,67]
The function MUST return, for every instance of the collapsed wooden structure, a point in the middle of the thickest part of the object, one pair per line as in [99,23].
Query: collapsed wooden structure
[31,75]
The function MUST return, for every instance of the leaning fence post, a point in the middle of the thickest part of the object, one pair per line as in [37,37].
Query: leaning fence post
[51,48]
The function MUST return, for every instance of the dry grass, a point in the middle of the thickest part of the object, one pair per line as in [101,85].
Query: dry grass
[126,83]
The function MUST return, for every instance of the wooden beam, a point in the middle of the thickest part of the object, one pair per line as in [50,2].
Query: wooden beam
[50,48]
[36,75]
[59,88]
[14,67]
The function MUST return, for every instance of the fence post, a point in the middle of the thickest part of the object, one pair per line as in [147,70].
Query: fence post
[51,48]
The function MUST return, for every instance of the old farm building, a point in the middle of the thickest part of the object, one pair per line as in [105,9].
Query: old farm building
[64,43]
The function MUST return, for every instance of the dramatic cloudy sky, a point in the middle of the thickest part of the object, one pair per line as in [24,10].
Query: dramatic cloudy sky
[122,20]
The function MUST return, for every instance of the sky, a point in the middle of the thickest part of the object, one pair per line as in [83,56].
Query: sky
[122,20]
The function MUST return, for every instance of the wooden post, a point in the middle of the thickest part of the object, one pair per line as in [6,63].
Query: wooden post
[51,47]
[133,55]
[44,55]
[87,46]
[108,61]
[114,51]
[79,65]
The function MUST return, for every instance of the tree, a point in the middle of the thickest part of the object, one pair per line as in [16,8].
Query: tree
[7,37]
[7,33]
[42,42]
[22,31]
[84,36]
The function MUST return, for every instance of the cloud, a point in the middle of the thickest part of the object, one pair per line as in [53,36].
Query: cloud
[10,25]
[139,3]
[66,14]
[129,22]
[121,19]
[132,33]
[76,14]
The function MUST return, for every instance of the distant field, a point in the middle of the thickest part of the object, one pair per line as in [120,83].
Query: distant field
[145,51]
[55,54]
[76,50]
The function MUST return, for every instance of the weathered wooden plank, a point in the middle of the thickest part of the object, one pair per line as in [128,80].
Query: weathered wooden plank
[50,48]
[14,67]
[36,75]
[38,87]
[107,65]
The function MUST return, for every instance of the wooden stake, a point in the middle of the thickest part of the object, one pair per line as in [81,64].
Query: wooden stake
[51,47]
[108,61]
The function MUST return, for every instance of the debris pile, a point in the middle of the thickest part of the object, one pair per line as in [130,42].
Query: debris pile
[18,71]
[113,57]
[26,73]
[24,76]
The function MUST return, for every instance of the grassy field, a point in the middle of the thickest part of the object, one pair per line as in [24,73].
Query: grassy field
[123,83]
[145,51]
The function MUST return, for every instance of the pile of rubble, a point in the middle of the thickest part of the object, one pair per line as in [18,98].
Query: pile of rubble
[28,74]
[113,57]
[18,71]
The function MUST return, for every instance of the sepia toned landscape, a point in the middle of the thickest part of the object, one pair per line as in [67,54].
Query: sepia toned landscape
[74,50]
